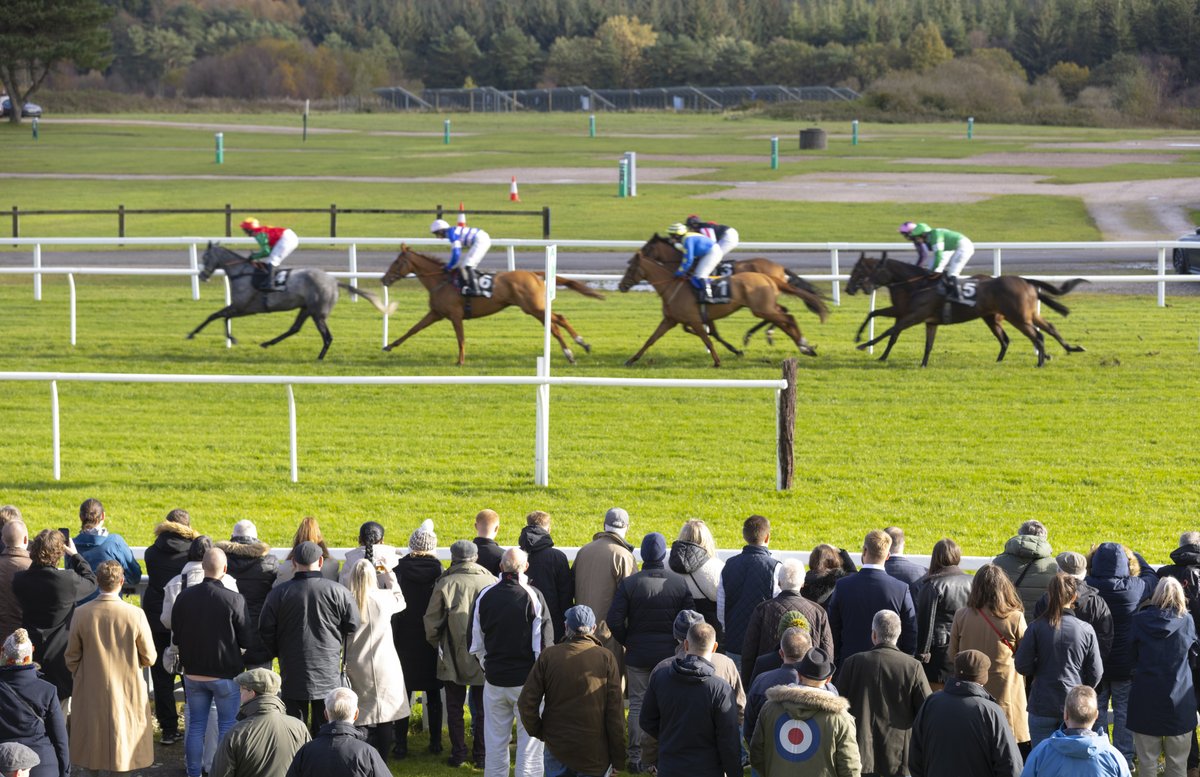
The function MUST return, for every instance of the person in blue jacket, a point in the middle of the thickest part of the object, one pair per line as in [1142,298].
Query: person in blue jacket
[96,544]
[701,255]
[475,241]
[1075,750]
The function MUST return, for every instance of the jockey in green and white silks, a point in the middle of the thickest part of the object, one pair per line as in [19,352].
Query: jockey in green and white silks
[950,250]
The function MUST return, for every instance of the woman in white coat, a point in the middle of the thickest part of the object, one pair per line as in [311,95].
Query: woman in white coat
[372,663]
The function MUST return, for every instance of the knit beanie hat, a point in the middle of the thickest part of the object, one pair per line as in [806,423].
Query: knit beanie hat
[423,540]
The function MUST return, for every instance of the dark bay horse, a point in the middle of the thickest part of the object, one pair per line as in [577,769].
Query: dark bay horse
[664,251]
[751,290]
[915,299]
[525,289]
[313,291]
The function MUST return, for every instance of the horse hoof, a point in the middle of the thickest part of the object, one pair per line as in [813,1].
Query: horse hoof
[862,346]
[387,349]
[586,347]
[570,356]
[808,350]
[192,336]
[739,354]
[233,341]
[264,345]
[629,362]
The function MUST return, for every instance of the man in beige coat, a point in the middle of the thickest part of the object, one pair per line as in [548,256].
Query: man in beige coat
[14,558]
[107,647]
[600,566]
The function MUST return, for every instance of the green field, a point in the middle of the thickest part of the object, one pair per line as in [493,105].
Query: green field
[1096,445]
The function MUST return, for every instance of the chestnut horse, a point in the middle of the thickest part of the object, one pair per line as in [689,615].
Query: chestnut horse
[915,299]
[526,290]
[751,290]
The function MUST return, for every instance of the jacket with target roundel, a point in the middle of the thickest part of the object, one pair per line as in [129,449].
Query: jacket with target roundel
[805,731]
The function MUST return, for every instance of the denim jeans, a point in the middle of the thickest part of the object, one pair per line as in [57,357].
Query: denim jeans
[201,694]
[1041,727]
[556,768]
[1118,692]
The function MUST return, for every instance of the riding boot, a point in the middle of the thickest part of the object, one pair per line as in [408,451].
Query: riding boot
[950,288]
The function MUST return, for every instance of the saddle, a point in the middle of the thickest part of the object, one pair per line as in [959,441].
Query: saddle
[268,279]
[477,284]
[715,292]
[957,291]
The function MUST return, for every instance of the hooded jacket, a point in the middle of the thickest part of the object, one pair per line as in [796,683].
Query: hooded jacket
[164,560]
[549,572]
[1162,699]
[692,714]
[702,573]
[447,621]
[1076,754]
[1090,608]
[805,731]
[97,548]
[1056,660]
[30,714]
[339,749]
[254,568]
[1030,560]
[262,743]
[962,731]
[1185,568]
[1108,573]
[416,574]
[643,611]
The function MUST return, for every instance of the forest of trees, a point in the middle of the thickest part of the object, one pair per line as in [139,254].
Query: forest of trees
[328,48]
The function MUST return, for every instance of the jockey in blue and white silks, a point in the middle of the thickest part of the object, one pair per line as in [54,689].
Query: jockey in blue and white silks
[474,240]
[700,254]
[725,236]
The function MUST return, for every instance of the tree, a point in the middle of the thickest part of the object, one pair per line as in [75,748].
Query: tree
[623,41]
[926,49]
[452,58]
[1071,78]
[514,61]
[36,35]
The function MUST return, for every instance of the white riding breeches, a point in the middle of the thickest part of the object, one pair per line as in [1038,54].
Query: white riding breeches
[283,247]
[728,241]
[958,260]
[475,253]
[707,263]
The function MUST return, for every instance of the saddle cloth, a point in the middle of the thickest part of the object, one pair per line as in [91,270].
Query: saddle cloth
[724,269]
[720,292]
[478,284]
[278,282]
[968,289]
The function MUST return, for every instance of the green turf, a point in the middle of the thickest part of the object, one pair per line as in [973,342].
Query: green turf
[1093,444]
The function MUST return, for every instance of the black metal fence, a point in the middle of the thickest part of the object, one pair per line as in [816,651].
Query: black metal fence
[121,212]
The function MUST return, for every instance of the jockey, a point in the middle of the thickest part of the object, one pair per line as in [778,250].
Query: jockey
[923,254]
[726,237]
[475,240]
[274,244]
[700,255]
[950,250]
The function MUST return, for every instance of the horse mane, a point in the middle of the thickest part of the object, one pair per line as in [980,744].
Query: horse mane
[223,252]
[904,269]
[406,249]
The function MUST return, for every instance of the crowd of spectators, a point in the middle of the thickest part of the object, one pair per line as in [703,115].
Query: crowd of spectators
[684,665]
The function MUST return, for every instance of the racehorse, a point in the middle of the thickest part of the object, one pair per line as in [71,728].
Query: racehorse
[915,299]
[314,291]
[664,251]
[525,289]
[756,291]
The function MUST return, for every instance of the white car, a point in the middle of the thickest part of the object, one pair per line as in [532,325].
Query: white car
[32,110]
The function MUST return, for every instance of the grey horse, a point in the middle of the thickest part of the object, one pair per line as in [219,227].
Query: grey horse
[313,291]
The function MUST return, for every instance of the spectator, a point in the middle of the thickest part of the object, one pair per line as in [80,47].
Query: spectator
[858,597]
[826,566]
[793,647]
[254,568]
[13,559]
[417,573]
[549,568]
[487,525]
[305,622]
[694,555]
[897,565]
[992,623]
[768,662]
[641,618]
[1059,652]
[1090,607]
[382,557]
[747,579]
[164,559]
[339,748]
[17,760]
[572,702]
[8,513]
[509,630]
[266,739]
[939,594]
[96,544]
[960,730]
[109,645]
[211,629]
[806,729]
[599,567]
[1162,699]
[1028,561]
[371,659]
[1185,568]
[761,636]
[1076,750]
[885,689]
[29,708]
[307,531]
[191,575]
[1115,573]
[47,597]
[448,630]
[692,714]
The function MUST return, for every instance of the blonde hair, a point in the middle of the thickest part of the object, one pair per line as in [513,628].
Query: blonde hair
[876,545]
[308,531]
[362,582]
[109,576]
[1168,595]
[697,532]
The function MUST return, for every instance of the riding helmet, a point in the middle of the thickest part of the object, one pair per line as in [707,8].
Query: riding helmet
[920,229]
[250,223]
[677,230]
[438,225]
[907,227]
[693,222]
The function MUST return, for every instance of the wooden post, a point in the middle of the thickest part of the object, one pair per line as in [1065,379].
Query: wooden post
[16,222]
[332,220]
[228,220]
[120,221]
[545,222]
[786,431]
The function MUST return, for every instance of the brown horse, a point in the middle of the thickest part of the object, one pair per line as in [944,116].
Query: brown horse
[526,290]
[664,251]
[751,290]
[916,299]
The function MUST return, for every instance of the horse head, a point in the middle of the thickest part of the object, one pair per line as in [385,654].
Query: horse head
[400,266]
[634,274]
[211,260]
[862,276]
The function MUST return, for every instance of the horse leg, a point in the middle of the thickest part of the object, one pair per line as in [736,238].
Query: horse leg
[1045,325]
[712,330]
[930,334]
[225,312]
[562,321]
[993,324]
[457,323]
[712,349]
[746,337]
[429,318]
[888,311]
[1035,336]
[664,326]
[787,322]
[323,328]
[301,317]
[229,332]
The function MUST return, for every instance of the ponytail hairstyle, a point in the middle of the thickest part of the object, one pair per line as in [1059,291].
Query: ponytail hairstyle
[1063,590]
[362,582]
[370,534]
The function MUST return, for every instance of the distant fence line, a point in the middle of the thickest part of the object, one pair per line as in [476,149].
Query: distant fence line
[438,211]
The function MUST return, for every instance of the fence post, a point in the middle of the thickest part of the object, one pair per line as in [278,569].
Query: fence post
[194,263]
[56,441]
[785,462]
[512,258]
[871,324]
[996,262]
[439,211]
[37,276]
[1162,272]
[385,316]
[332,220]
[16,224]
[833,269]
[292,434]
[228,322]
[228,220]
[71,285]
[353,256]
[545,222]
[120,221]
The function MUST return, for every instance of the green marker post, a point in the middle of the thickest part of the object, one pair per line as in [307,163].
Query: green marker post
[774,153]
[592,126]
[854,132]
[623,178]
[35,128]
[446,132]
[970,127]
[220,148]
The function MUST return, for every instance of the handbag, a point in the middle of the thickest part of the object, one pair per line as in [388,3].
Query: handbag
[343,677]
[171,662]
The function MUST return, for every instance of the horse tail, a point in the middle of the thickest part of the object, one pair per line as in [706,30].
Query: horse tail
[1053,304]
[574,285]
[387,310]
[812,299]
[1051,288]
[796,282]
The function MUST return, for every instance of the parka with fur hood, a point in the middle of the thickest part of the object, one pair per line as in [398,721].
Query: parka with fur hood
[805,731]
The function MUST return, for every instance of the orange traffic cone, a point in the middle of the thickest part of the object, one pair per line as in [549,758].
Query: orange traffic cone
[512,191]
[462,216]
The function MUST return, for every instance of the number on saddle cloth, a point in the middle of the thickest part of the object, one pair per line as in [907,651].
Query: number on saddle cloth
[265,282]
[724,269]
[720,288]
[478,284]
